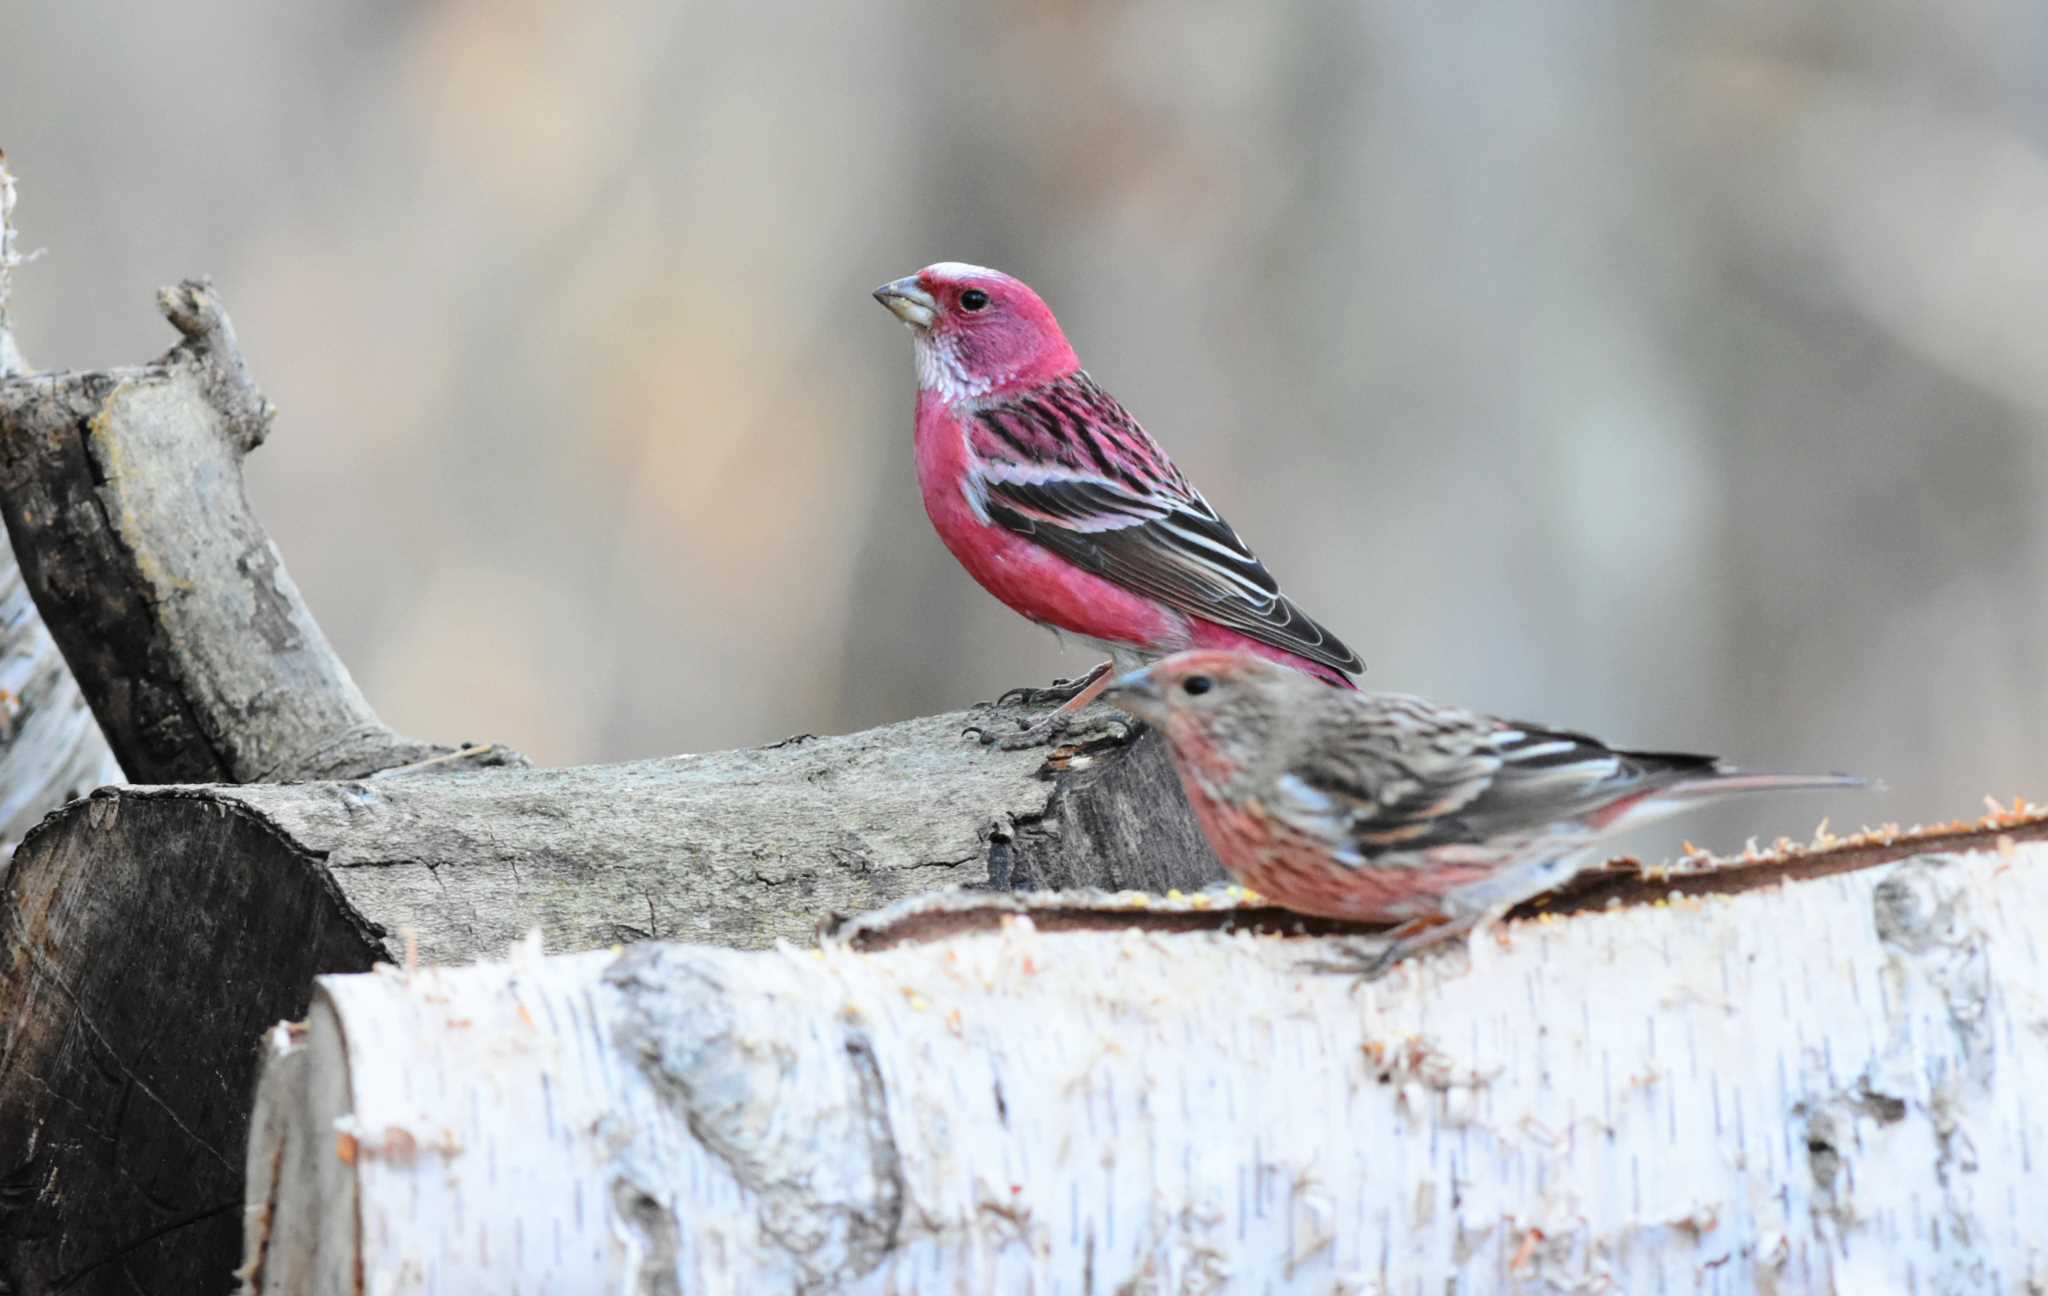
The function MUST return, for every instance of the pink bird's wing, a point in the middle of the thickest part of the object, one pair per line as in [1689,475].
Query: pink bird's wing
[1068,468]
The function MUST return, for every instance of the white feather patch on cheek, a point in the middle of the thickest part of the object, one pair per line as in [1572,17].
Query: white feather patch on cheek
[942,372]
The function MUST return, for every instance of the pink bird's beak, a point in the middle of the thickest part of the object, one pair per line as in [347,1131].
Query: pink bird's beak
[909,302]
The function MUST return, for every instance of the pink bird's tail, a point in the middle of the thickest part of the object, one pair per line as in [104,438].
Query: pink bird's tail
[1209,635]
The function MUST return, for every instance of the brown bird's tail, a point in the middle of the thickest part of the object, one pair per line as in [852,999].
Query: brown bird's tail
[1724,780]
[1692,787]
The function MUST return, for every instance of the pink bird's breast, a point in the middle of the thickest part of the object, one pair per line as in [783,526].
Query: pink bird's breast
[1031,580]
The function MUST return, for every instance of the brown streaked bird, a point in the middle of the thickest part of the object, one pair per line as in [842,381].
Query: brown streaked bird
[1378,807]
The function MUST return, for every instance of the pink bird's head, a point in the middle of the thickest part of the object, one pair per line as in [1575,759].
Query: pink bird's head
[977,331]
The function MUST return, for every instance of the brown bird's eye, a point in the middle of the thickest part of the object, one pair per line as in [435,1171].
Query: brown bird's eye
[973,299]
[1196,685]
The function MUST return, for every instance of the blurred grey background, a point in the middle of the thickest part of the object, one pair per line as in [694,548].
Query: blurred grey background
[1678,372]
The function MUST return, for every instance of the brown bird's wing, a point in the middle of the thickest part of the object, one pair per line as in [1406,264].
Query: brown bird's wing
[1395,773]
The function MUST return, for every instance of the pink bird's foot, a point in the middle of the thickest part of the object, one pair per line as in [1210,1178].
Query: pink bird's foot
[1056,725]
[1062,691]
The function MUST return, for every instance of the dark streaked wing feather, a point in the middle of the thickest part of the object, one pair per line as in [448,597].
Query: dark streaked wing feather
[1096,489]
[1405,775]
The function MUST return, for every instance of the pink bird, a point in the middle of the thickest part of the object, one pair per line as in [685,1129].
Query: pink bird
[1062,506]
[1377,807]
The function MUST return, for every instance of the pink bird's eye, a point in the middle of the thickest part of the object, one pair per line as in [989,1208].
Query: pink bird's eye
[973,299]
[1196,685]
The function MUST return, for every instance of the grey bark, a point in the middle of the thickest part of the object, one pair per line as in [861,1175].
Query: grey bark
[50,748]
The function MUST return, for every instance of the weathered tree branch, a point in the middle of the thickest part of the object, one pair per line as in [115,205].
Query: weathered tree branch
[123,496]
[1806,1087]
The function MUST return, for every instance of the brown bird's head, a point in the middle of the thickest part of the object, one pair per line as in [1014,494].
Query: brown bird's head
[1216,708]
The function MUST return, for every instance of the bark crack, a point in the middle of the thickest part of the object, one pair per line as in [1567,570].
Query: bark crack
[654,1224]
[874,1233]
[66,1281]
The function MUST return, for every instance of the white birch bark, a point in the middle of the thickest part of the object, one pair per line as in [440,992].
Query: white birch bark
[1829,1086]
[51,750]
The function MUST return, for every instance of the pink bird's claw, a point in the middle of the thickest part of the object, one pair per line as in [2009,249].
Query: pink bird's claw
[1061,691]
[990,736]
[1028,696]
[1041,734]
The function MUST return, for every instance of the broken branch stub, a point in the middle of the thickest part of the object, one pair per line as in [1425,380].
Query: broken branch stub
[123,497]
[1799,1087]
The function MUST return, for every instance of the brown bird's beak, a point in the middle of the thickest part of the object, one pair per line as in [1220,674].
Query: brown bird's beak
[909,303]
[1138,693]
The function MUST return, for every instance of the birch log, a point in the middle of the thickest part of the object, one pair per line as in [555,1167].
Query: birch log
[50,748]
[1823,1085]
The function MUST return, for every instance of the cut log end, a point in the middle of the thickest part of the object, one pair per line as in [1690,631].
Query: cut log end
[146,949]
